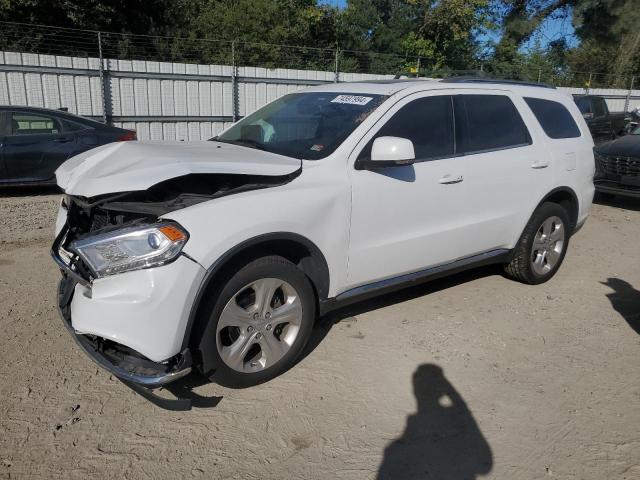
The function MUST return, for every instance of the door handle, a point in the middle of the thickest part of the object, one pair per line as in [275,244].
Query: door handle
[63,139]
[449,179]
[540,164]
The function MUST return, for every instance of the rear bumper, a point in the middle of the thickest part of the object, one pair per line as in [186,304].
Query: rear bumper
[122,362]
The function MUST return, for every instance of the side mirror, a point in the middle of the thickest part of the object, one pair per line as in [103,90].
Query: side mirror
[390,152]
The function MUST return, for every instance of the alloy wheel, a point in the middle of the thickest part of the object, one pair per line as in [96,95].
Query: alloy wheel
[548,245]
[259,325]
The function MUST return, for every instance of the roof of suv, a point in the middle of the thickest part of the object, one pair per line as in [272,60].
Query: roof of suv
[391,86]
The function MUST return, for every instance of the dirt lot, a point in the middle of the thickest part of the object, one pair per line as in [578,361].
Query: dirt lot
[463,378]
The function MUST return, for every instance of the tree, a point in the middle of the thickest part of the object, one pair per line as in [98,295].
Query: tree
[518,20]
[610,38]
[446,35]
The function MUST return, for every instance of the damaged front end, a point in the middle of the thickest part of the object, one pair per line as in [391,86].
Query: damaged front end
[104,215]
[86,217]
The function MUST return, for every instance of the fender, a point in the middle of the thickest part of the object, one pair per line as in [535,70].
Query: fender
[315,266]
[575,204]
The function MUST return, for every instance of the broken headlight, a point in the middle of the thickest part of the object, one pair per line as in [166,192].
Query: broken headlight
[131,248]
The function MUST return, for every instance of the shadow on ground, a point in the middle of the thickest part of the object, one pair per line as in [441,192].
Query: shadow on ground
[325,323]
[183,395]
[625,300]
[441,440]
[184,388]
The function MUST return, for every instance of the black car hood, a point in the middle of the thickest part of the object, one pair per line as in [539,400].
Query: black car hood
[627,146]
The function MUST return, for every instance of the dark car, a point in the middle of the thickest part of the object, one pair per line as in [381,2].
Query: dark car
[34,142]
[603,124]
[618,166]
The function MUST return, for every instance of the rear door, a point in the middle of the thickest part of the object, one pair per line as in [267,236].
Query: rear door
[35,146]
[86,137]
[506,170]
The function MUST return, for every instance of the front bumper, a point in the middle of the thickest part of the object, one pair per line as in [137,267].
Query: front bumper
[121,362]
[615,187]
[145,310]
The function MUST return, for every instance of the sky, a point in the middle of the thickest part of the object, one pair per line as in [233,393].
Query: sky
[550,30]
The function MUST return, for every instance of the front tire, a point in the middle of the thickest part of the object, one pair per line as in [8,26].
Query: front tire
[542,246]
[257,323]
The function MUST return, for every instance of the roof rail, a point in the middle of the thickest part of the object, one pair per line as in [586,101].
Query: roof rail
[495,80]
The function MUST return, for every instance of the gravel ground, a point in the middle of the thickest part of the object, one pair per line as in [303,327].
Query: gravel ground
[468,377]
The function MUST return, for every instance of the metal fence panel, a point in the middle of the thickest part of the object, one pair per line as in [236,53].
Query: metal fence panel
[174,101]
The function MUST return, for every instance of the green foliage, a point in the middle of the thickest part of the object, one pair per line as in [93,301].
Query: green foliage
[445,36]
[610,34]
[376,36]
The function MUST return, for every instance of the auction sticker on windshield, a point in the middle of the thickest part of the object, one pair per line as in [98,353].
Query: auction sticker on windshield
[352,99]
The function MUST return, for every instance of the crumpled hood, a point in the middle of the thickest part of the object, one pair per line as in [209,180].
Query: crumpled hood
[130,166]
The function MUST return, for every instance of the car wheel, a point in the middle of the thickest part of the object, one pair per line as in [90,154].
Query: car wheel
[542,246]
[258,323]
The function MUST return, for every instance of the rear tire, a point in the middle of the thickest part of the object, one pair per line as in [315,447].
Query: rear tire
[542,246]
[256,323]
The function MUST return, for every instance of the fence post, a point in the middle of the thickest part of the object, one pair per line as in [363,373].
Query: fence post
[588,86]
[628,99]
[418,68]
[539,75]
[104,97]
[234,83]
[336,74]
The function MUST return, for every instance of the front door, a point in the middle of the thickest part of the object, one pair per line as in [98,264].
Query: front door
[35,146]
[408,218]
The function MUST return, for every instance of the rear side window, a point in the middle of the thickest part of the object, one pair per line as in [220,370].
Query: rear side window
[489,122]
[31,124]
[427,122]
[555,119]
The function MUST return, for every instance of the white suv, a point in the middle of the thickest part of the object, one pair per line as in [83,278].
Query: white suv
[220,255]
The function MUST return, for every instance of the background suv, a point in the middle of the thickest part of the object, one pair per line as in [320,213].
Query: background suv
[221,254]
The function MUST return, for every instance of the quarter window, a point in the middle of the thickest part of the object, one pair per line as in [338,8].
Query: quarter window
[427,122]
[71,126]
[489,122]
[555,119]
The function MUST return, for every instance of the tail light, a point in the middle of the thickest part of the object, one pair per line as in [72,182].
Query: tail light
[587,115]
[128,136]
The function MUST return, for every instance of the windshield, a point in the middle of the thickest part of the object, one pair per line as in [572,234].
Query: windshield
[303,125]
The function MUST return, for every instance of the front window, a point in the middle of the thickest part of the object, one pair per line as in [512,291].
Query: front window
[303,125]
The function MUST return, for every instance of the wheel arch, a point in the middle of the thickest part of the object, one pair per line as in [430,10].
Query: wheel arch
[292,246]
[567,198]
